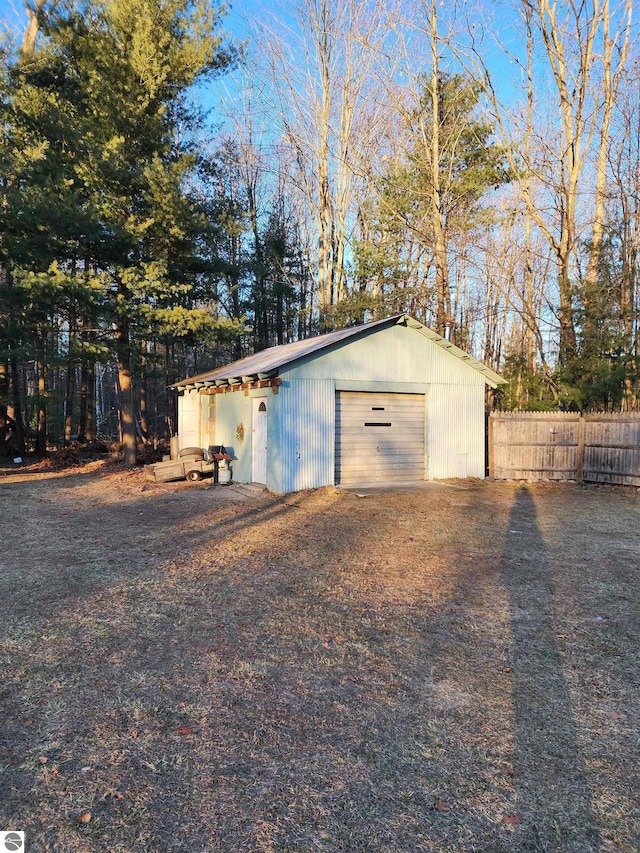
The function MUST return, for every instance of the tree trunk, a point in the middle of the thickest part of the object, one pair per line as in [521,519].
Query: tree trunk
[41,368]
[41,432]
[16,413]
[34,12]
[125,384]
[144,417]
[87,403]
[325,282]
[443,315]
[127,418]
[69,401]
[610,86]
[568,344]
[86,427]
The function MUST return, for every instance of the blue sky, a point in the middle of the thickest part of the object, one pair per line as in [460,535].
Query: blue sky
[13,17]
[498,16]
[11,14]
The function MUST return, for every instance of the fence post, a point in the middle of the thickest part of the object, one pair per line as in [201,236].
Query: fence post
[580,450]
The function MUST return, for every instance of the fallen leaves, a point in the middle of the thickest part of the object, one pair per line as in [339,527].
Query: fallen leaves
[84,818]
[206,681]
[112,794]
[615,715]
[441,805]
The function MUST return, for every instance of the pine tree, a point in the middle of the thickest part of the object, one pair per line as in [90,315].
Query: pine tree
[97,198]
[425,206]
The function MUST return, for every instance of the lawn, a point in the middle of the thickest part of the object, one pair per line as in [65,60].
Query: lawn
[193,669]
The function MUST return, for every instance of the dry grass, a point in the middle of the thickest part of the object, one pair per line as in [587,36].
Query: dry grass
[450,670]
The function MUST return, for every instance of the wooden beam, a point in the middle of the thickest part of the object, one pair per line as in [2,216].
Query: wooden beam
[253,385]
[490,439]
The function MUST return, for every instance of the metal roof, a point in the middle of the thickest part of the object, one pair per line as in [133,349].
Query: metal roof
[265,364]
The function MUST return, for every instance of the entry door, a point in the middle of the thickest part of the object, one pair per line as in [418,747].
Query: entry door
[189,415]
[259,440]
[379,437]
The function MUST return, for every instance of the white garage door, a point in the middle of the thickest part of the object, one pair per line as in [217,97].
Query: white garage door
[379,438]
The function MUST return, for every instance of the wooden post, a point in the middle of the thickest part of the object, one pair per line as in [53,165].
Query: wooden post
[490,444]
[580,450]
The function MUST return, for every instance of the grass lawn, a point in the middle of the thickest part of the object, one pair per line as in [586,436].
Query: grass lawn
[191,669]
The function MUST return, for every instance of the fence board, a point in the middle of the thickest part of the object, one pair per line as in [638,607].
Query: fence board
[565,446]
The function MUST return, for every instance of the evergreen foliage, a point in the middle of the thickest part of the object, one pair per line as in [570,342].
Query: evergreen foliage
[99,230]
[396,251]
[139,245]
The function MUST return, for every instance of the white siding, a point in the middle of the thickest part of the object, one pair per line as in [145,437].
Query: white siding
[305,456]
[456,433]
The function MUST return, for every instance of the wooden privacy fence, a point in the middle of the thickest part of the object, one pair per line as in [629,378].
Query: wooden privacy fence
[565,446]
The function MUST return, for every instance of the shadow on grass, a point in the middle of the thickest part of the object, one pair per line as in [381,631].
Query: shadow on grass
[102,545]
[553,798]
[258,678]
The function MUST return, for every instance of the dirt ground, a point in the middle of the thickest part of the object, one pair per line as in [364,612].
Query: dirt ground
[195,668]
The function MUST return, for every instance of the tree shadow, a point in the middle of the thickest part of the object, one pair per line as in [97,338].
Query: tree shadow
[245,679]
[552,794]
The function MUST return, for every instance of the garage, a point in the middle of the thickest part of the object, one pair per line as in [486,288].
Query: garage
[380,438]
[386,402]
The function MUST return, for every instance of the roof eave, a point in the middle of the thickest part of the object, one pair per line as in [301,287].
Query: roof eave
[491,377]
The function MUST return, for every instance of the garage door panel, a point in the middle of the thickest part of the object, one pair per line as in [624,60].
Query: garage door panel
[373,474]
[371,412]
[379,437]
[397,447]
[374,467]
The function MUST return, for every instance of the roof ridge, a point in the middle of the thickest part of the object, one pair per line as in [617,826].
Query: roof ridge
[267,362]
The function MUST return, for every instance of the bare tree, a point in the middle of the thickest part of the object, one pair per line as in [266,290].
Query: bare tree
[444,155]
[614,54]
[554,167]
[624,219]
[320,75]
[443,317]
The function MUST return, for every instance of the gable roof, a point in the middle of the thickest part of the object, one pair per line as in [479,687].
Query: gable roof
[265,364]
